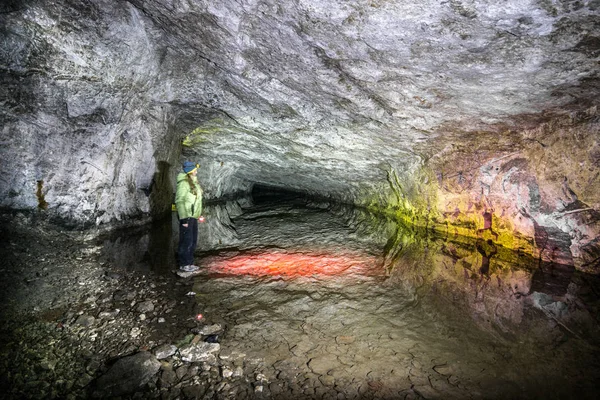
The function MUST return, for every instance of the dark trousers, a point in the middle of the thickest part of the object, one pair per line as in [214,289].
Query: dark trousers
[188,238]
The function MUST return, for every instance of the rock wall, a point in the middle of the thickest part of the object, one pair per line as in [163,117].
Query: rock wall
[532,190]
[81,137]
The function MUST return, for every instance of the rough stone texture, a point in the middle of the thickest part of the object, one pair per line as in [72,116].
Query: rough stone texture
[196,352]
[76,119]
[210,329]
[164,351]
[145,306]
[428,108]
[127,376]
[541,182]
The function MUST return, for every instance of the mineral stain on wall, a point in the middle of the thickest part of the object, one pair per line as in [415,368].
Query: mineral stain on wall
[42,204]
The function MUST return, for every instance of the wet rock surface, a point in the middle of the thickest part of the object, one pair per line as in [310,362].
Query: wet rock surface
[310,304]
[77,327]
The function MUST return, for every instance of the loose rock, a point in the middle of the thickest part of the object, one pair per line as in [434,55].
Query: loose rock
[127,375]
[199,352]
[146,306]
[164,351]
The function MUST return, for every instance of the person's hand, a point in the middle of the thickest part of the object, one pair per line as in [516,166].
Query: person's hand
[201,218]
[184,225]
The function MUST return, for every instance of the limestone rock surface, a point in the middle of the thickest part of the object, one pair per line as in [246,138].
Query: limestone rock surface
[433,109]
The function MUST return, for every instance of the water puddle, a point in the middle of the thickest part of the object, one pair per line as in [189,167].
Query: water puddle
[315,297]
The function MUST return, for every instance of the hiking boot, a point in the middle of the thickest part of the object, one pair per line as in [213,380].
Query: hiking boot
[189,268]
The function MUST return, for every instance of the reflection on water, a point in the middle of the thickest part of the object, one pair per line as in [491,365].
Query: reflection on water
[349,300]
[145,249]
[295,264]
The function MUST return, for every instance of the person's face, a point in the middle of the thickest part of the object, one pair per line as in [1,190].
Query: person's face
[194,173]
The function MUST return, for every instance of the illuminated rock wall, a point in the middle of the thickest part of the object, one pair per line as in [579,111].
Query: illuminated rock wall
[534,190]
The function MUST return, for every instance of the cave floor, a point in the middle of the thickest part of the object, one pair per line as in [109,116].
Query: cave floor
[304,303]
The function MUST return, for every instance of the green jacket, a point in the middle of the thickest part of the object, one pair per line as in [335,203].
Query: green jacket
[188,205]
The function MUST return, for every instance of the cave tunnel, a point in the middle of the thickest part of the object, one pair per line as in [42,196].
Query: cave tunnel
[399,200]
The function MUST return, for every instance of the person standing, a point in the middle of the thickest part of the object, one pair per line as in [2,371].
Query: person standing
[188,200]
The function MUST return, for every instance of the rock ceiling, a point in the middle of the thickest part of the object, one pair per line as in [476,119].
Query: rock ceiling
[344,89]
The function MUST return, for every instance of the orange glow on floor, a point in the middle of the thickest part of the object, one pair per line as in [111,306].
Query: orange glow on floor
[273,263]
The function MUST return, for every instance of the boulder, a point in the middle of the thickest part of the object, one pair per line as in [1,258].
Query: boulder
[199,352]
[128,375]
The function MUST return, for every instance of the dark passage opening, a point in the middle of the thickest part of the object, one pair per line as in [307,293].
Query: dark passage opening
[266,194]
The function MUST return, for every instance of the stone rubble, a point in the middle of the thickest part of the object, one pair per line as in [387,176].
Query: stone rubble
[72,328]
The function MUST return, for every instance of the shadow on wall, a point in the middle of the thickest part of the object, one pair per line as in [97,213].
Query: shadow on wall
[160,191]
